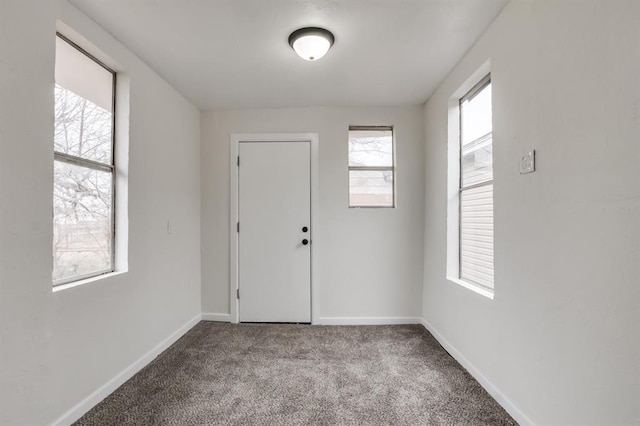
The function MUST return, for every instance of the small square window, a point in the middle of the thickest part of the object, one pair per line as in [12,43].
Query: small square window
[371,166]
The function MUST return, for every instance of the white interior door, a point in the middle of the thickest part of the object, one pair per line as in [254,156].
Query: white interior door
[274,250]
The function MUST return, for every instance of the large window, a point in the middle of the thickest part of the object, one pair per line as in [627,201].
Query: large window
[84,173]
[476,186]
[371,166]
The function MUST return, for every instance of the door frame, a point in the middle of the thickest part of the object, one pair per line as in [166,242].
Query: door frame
[234,145]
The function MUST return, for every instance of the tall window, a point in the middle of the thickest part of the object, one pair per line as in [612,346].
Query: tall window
[371,166]
[476,186]
[84,173]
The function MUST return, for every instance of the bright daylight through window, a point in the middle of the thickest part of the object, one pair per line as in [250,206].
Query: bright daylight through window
[476,186]
[83,193]
[371,166]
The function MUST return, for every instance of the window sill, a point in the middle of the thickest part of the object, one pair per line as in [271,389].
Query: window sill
[86,281]
[477,289]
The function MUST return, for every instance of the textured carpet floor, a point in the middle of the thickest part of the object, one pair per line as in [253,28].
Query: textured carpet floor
[268,374]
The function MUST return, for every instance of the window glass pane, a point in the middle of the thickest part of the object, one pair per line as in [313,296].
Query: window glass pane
[82,222]
[83,106]
[477,161]
[371,148]
[370,188]
[476,116]
[82,128]
[476,235]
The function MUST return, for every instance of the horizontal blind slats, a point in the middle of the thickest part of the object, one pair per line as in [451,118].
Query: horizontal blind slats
[476,235]
[483,244]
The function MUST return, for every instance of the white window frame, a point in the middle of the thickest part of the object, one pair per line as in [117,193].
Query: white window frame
[95,165]
[479,87]
[454,180]
[391,168]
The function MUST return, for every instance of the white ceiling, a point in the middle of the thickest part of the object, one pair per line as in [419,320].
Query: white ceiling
[234,53]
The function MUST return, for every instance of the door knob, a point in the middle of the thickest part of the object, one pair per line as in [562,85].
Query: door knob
[305,242]
[305,229]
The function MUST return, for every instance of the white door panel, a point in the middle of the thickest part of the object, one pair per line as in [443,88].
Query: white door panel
[274,205]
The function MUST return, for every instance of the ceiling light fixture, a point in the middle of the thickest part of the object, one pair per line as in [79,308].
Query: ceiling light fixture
[311,43]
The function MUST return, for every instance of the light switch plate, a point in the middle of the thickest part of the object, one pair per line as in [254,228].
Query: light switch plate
[528,162]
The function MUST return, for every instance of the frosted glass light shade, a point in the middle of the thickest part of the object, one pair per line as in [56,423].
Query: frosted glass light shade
[311,43]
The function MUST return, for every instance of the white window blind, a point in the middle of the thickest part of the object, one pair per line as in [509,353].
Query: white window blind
[476,186]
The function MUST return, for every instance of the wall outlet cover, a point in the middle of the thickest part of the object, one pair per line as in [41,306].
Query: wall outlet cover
[528,162]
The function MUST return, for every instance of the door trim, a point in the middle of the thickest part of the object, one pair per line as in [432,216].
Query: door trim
[234,145]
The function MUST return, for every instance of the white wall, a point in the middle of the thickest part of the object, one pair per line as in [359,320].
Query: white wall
[561,339]
[57,348]
[370,259]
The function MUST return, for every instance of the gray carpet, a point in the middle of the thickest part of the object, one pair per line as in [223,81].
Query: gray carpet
[284,374]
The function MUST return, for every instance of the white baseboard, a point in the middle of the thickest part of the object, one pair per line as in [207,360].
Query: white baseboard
[216,317]
[368,320]
[513,411]
[105,390]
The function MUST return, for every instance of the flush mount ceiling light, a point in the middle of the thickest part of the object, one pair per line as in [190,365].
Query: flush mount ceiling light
[311,43]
